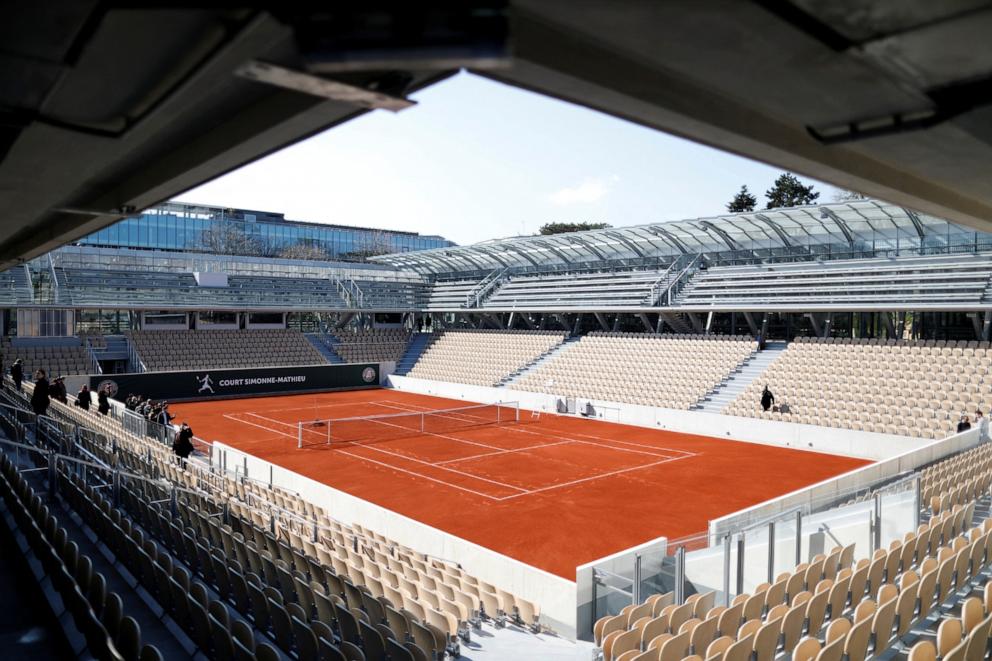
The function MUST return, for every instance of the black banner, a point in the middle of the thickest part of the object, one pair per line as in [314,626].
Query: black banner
[228,383]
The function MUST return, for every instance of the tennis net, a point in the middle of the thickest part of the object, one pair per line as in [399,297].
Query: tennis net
[390,426]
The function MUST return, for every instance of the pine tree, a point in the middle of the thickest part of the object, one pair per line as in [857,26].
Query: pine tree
[742,202]
[788,191]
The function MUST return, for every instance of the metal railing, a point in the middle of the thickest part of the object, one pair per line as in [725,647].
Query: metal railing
[680,281]
[737,561]
[478,294]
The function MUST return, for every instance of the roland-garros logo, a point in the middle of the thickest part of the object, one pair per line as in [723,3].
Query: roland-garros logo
[368,375]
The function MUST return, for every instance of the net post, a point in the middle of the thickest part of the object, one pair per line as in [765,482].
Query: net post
[516,411]
[299,435]
[423,422]
[328,423]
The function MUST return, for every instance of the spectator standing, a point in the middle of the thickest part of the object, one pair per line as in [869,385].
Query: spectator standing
[17,374]
[767,398]
[103,401]
[964,425]
[40,398]
[84,398]
[57,390]
[183,445]
[983,425]
[164,417]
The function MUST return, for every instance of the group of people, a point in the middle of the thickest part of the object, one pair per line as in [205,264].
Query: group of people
[981,423]
[182,443]
[149,409]
[45,391]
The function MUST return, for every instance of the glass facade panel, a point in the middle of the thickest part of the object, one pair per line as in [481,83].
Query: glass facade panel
[189,228]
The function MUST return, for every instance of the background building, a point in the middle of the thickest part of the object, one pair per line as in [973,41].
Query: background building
[182,227]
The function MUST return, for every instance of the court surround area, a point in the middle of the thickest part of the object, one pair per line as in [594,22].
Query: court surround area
[551,491]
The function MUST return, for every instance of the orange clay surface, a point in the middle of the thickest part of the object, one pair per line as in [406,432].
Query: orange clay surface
[554,492]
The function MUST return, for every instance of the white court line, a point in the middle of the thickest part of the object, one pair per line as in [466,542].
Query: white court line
[593,477]
[523,492]
[413,432]
[320,406]
[493,454]
[420,475]
[403,456]
[403,470]
[268,429]
[395,405]
[643,448]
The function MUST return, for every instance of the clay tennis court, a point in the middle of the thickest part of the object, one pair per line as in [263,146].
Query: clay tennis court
[551,491]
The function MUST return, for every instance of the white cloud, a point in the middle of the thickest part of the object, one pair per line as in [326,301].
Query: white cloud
[590,189]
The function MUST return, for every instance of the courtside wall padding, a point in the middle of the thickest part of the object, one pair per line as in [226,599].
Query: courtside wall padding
[234,383]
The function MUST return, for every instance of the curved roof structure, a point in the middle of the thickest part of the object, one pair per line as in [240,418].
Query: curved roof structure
[842,229]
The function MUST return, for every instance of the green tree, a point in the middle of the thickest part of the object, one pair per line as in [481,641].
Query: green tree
[562,228]
[788,191]
[742,202]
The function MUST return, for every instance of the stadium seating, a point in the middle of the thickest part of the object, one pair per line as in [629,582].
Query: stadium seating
[482,357]
[671,371]
[252,548]
[961,279]
[910,388]
[451,293]
[95,286]
[218,349]
[15,286]
[371,345]
[397,293]
[570,290]
[55,359]
[838,605]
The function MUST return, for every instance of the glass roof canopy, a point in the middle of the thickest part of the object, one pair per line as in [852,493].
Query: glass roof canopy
[844,230]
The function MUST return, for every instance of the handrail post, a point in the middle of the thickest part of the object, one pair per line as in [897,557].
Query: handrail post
[680,575]
[726,570]
[876,537]
[771,551]
[799,537]
[52,474]
[635,589]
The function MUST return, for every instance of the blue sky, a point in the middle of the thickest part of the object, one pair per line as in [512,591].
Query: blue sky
[477,160]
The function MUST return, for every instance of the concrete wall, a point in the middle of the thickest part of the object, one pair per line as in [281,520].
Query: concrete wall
[846,442]
[553,594]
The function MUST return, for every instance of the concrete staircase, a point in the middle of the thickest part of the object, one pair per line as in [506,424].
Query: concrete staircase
[534,364]
[418,344]
[716,400]
[325,345]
